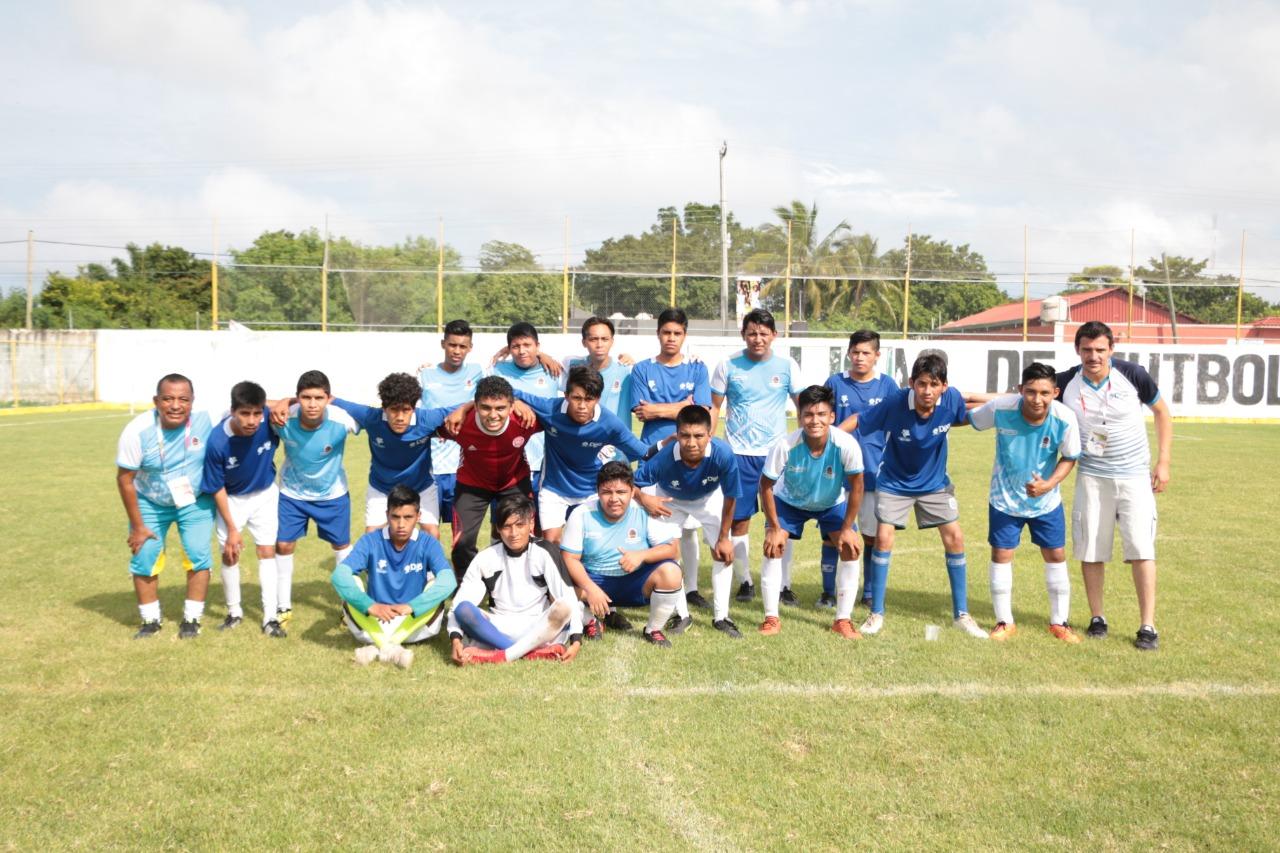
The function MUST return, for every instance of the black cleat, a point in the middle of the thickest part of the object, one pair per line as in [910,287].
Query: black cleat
[695,599]
[788,597]
[746,592]
[826,601]
[230,622]
[1147,640]
[1097,629]
[593,630]
[147,630]
[189,629]
[273,629]
[616,621]
[726,626]
[658,639]
[676,625]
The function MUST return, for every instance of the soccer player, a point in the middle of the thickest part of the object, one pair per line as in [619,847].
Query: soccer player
[240,473]
[660,387]
[597,339]
[1115,485]
[450,383]
[857,390]
[535,612]
[757,383]
[618,556]
[407,580]
[696,478]
[1035,436]
[313,484]
[527,372]
[812,474]
[159,461]
[913,474]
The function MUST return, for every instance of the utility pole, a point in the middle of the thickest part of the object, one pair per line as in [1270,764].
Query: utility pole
[31,258]
[1168,286]
[724,246]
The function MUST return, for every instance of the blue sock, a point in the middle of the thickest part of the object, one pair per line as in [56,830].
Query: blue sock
[866,572]
[828,570]
[477,626]
[957,574]
[879,579]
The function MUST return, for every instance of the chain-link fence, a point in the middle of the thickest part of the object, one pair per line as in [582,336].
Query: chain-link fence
[48,367]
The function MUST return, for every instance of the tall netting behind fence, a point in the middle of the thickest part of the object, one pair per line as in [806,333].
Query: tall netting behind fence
[47,367]
[276,297]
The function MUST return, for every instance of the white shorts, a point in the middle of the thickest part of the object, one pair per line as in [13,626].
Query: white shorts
[867,521]
[257,514]
[690,515]
[553,509]
[375,507]
[1102,505]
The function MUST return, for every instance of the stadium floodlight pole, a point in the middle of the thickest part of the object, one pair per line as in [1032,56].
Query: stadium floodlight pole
[724,245]
[1240,288]
[213,283]
[30,267]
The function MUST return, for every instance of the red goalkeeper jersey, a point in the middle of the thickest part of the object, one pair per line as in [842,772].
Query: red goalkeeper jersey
[492,462]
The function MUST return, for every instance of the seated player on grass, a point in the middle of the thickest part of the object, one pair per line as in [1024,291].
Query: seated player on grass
[534,614]
[812,474]
[407,580]
[240,473]
[1035,435]
[696,478]
[913,473]
[618,556]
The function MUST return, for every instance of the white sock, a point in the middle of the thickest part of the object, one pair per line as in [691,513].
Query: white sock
[770,584]
[340,554]
[846,587]
[741,564]
[661,603]
[150,612]
[192,610]
[231,589]
[682,605]
[690,551]
[1002,591]
[546,630]
[284,582]
[1058,582]
[721,578]
[786,564]
[268,580]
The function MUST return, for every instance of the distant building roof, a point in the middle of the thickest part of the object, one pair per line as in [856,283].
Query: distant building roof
[1110,305]
[1267,322]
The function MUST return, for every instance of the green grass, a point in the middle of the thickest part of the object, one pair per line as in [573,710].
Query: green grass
[802,740]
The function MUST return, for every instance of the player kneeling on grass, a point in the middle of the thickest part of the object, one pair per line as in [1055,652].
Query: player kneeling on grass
[535,613]
[804,479]
[618,556]
[1035,435]
[407,580]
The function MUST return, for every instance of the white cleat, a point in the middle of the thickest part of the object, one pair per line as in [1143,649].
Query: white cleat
[366,655]
[872,624]
[966,623]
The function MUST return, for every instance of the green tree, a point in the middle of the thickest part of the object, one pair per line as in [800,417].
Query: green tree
[507,291]
[1209,299]
[947,282]
[391,286]
[278,281]
[1096,278]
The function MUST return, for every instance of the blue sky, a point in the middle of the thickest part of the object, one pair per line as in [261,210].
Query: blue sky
[144,120]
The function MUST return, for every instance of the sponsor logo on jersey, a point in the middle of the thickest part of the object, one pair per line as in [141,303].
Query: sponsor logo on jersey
[593,444]
[844,399]
[410,568]
[552,431]
[518,441]
[683,386]
[653,385]
[266,446]
[378,441]
[472,448]
[905,435]
[232,462]
[714,478]
[875,401]
[939,430]
[381,567]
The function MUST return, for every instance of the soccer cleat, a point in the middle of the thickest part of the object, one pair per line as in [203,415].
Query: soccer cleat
[770,626]
[274,629]
[1147,640]
[845,629]
[1005,630]
[826,601]
[746,592]
[726,626]
[695,599]
[788,597]
[555,651]
[966,623]
[366,655]
[676,625]
[189,629]
[593,630]
[873,623]
[1064,633]
[1097,629]
[284,614]
[473,655]
[615,620]
[147,630]
[230,622]
[658,638]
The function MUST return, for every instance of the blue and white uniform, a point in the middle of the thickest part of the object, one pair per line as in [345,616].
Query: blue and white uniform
[808,487]
[915,455]
[313,484]
[539,383]
[440,388]
[418,575]
[652,382]
[696,492]
[854,398]
[246,467]
[596,541]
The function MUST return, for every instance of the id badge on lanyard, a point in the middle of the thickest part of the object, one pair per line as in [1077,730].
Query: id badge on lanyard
[1095,443]
[180,488]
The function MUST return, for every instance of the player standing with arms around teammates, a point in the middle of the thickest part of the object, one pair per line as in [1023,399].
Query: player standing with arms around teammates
[660,388]
[240,473]
[1115,485]
[812,474]
[407,581]
[857,390]
[159,462]
[913,473]
[1035,436]
[757,385]
[450,383]
[527,372]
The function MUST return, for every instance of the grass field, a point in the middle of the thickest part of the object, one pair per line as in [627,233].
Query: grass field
[803,740]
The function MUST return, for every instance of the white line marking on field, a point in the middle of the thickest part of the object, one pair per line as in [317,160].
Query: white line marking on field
[1177,690]
[1186,437]
[701,830]
[43,421]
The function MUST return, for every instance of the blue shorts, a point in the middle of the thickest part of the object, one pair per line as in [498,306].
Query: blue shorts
[626,590]
[195,529]
[749,469]
[445,484]
[332,518]
[792,519]
[1047,531]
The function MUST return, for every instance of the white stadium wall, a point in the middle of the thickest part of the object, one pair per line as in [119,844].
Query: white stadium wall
[1233,382]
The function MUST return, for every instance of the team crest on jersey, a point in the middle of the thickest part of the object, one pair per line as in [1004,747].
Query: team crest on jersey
[675,484]
[378,441]
[617,385]
[653,385]
[775,381]
[468,384]
[1044,442]
[232,461]
[541,382]
[844,399]
[633,535]
[382,567]
[328,448]
[829,473]
[905,436]
[195,441]
[552,431]
[471,448]
[518,441]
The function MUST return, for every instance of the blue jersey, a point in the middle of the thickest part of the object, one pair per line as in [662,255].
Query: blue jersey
[574,451]
[398,577]
[652,382]
[539,383]
[312,469]
[808,482]
[599,542]
[402,459]
[757,392]
[242,464]
[854,398]
[1023,450]
[915,455]
[617,386]
[161,455]
[442,388]
[717,470]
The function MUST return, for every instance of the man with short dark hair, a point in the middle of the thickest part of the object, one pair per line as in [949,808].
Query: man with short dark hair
[450,383]
[527,371]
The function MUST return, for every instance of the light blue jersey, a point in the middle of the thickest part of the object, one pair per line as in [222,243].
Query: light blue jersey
[809,482]
[757,393]
[539,383]
[164,455]
[599,542]
[442,388]
[1023,450]
[652,382]
[312,469]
